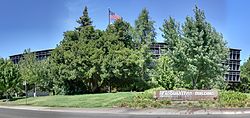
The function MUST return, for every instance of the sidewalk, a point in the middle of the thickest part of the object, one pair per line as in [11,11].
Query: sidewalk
[167,111]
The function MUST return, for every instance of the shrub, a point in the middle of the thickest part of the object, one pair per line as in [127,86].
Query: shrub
[232,99]
[148,94]
[145,100]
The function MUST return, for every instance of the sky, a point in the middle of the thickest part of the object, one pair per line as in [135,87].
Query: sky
[40,24]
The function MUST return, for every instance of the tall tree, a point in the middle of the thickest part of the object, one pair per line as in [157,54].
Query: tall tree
[245,76]
[171,34]
[28,66]
[10,83]
[74,59]
[197,50]
[205,51]
[120,66]
[123,31]
[85,19]
[144,28]
[164,73]
[144,37]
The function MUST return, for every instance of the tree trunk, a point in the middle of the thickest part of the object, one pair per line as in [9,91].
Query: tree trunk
[35,91]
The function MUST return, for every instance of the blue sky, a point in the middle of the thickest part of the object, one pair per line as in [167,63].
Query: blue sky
[39,24]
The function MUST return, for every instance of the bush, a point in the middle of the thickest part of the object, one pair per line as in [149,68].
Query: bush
[145,100]
[232,99]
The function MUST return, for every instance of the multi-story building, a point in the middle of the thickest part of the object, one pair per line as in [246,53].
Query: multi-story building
[40,55]
[232,75]
[233,62]
[158,49]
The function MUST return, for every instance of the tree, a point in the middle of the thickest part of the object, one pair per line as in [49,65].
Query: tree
[123,31]
[207,50]
[76,60]
[85,20]
[144,36]
[28,68]
[45,79]
[245,77]
[197,52]
[171,34]
[9,78]
[144,28]
[120,66]
[164,73]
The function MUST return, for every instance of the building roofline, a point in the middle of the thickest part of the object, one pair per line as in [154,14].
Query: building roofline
[235,49]
[50,49]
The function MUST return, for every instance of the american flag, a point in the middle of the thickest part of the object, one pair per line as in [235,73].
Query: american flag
[114,16]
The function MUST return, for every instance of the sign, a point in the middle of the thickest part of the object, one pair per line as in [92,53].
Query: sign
[189,95]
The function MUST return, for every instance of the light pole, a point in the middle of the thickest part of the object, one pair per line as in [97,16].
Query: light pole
[25,84]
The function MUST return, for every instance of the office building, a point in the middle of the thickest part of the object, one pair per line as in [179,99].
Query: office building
[40,55]
[233,63]
[158,49]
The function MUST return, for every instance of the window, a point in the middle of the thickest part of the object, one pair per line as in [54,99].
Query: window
[238,56]
[230,77]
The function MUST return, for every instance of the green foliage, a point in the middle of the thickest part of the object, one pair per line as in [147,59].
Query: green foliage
[145,100]
[232,99]
[85,19]
[28,66]
[36,73]
[171,34]
[144,27]
[89,60]
[197,52]
[122,30]
[244,85]
[144,36]
[77,60]
[9,78]
[164,74]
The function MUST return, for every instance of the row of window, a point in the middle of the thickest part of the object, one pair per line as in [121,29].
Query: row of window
[234,78]
[234,67]
[234,55]
[15,61]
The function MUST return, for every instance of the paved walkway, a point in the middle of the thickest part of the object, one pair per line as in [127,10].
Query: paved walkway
[166,111]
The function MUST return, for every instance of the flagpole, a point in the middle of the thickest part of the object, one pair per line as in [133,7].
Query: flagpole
[109,15]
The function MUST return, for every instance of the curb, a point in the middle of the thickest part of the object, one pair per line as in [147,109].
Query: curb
[134,111]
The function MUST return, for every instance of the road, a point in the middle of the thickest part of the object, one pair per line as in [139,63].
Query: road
[14,113]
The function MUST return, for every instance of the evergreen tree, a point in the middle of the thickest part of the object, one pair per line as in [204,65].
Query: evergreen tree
[85,19]
[171,34]
[144,28]
[144,37]
[120,66]
[196,51]
[205,52]
[123,31]
[75,70]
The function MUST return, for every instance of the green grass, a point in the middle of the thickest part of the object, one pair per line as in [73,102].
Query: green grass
[120,99]
[78,101]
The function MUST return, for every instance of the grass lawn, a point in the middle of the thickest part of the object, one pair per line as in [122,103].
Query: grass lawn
[129,99]
[78,101]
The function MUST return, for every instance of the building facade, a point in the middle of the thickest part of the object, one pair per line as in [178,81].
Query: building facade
[40,55]
[233,63]
[158,49]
